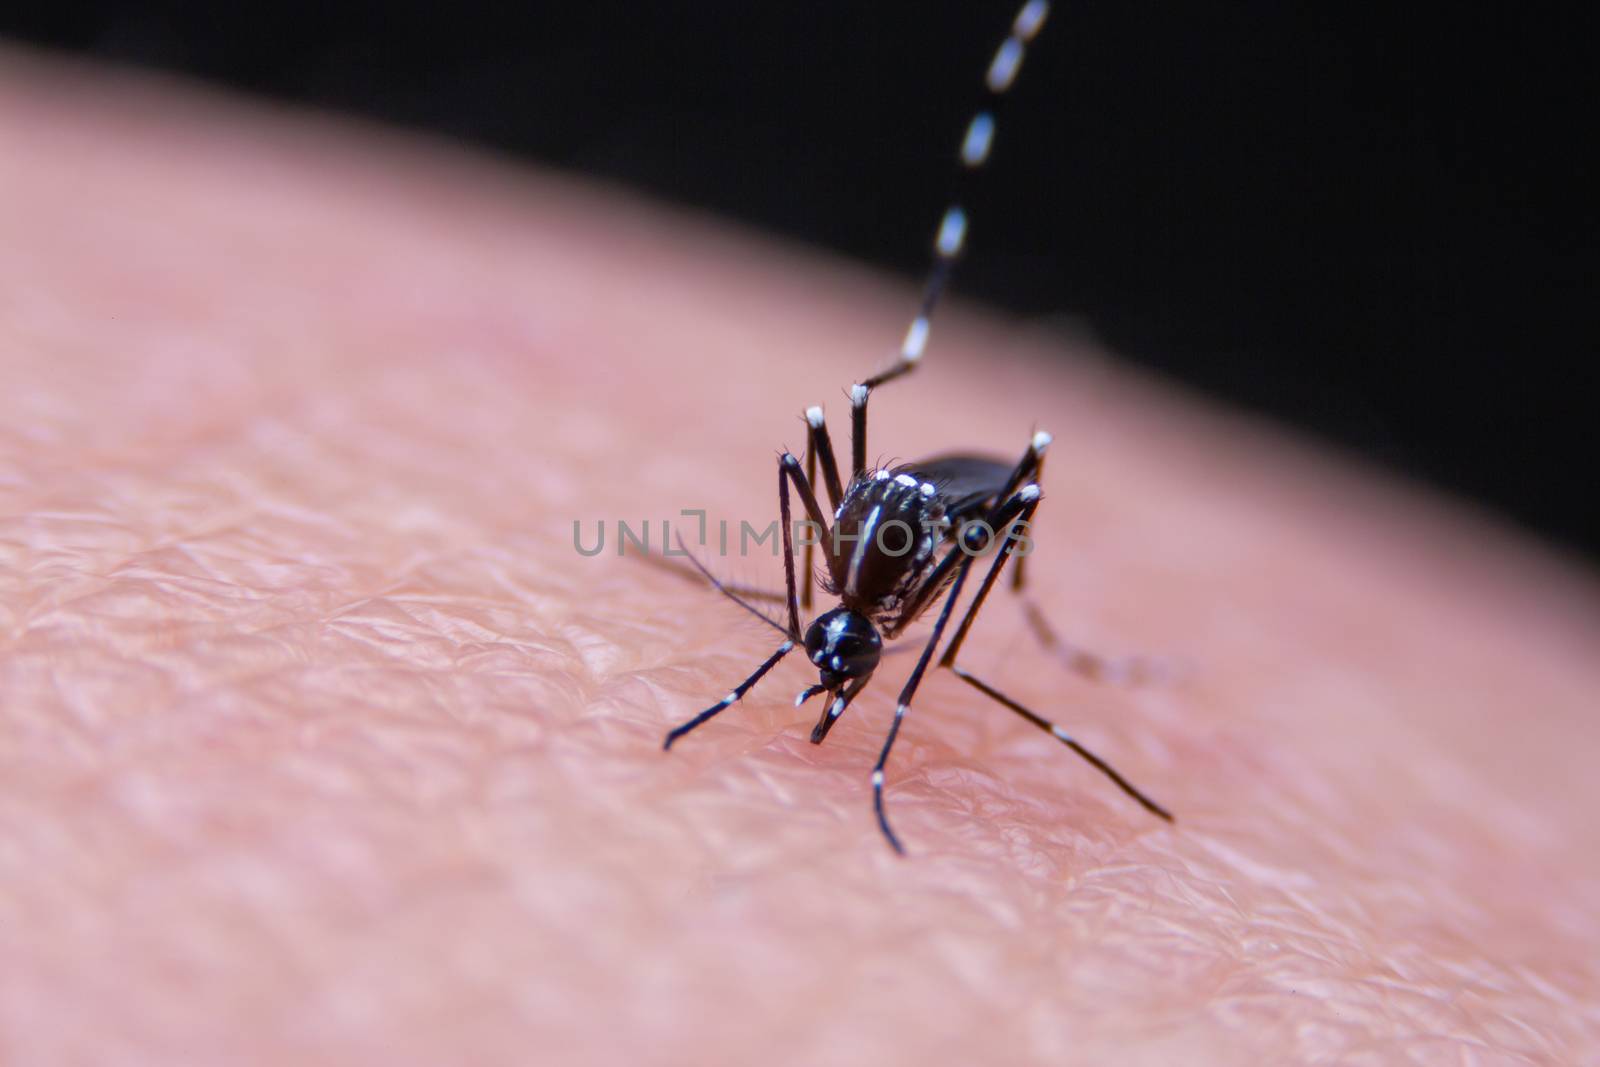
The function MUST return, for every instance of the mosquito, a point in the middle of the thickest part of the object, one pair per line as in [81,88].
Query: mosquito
[948,513]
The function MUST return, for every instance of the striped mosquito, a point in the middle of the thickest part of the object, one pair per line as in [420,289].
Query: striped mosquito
[947,514]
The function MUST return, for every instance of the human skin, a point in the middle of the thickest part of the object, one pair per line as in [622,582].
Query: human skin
[322,744]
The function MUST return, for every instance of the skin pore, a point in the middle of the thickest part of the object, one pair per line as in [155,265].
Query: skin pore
[322,744]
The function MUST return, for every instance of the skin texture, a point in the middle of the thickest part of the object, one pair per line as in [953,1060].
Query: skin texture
[321,744]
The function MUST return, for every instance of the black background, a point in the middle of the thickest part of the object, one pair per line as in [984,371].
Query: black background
[1376,224]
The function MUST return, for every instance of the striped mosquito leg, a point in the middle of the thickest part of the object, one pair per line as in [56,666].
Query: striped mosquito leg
[949,660]
[951,236]
[789,473]
[903,705]
[731,699]
[1065,738]
[947,246]
[1113,670]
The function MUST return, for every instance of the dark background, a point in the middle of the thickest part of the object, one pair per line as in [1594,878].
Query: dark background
[1376,224]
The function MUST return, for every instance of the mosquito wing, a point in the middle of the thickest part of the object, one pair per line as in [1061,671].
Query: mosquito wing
[968,485]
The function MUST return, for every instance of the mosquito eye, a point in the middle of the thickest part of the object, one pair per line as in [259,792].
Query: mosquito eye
[856,655]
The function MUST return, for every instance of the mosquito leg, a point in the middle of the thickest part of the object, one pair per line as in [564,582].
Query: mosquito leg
[1001,519]
[807,560]
[858,430]
[1001,522]
[947,246]
[952,232]
[1008,521]
[732,698]
[1006,516]
[1129,670]
[1118,670]
[819,446]
[1065,738]
[949,660]
[788,472]
[903,705]
[1030,469]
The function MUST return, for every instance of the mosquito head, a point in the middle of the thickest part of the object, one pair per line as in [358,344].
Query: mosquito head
[844,646]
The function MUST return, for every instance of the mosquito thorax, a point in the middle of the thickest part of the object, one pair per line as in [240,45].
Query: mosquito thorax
[843,645]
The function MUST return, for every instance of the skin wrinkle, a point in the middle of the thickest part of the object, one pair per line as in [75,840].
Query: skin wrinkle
[320,742]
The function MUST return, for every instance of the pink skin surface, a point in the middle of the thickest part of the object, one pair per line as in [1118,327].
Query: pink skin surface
[321,744]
